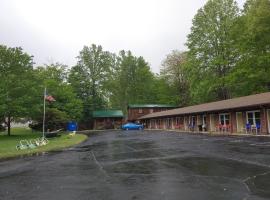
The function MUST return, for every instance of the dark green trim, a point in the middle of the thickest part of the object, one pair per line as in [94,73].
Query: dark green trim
[151,106]
[107,113]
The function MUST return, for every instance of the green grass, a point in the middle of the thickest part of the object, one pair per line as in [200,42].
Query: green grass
[8,143]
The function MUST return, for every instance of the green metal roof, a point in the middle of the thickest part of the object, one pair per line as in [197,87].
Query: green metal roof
[107,113]
[151,106]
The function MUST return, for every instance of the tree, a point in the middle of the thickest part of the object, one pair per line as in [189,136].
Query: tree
[252,41]
[211,54]
[16,86]
[89,77]
[132,81]
[67,106]
[174,72]
[163,92]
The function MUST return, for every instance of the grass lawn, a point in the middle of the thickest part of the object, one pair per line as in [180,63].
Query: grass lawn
[8,143]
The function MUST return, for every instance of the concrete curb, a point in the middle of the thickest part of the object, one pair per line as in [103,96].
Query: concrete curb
[209,133]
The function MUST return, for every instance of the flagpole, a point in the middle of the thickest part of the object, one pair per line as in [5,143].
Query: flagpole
[44,110]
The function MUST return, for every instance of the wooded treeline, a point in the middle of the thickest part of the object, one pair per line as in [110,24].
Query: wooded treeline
[228,55]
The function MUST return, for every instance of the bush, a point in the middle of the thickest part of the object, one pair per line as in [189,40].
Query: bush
[55,119]
[36,126]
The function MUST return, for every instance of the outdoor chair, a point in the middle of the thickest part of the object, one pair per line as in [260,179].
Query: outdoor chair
[191,127]
[226,128]
[41,141]
[219,128]
[247,128]
[22,145]
[178,126]
[32,145]
[256,127]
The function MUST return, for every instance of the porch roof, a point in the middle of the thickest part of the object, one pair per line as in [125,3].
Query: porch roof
[107,113]
[240,102]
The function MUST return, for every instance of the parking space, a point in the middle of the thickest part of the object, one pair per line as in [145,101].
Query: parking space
[144,165]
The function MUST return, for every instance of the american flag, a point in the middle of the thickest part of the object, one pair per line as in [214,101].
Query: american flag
[49,98]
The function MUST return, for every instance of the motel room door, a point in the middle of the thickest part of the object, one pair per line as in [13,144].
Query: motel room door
[212,122]
[239,121]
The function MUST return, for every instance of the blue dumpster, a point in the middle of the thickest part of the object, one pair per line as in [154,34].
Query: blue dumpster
[72,126]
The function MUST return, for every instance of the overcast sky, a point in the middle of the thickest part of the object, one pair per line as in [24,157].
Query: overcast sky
[56,30]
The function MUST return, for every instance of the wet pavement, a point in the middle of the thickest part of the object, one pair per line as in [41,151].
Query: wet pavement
[149,165]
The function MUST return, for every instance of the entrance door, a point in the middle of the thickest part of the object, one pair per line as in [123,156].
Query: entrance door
[239,121]
[185,123]
[212,122]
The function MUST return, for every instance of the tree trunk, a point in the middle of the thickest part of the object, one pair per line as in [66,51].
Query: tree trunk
[8,124]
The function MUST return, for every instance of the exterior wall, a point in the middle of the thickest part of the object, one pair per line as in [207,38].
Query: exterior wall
[134,113]
[182,122]
[108,123]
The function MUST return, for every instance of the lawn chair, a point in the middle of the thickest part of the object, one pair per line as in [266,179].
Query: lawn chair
[22,145]
[44,141]
[31,145]
[41,141]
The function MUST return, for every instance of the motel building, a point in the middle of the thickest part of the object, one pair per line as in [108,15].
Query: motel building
[246,115]
[135,111]
[108,119]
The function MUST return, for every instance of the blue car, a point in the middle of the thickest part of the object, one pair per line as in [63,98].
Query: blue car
[132,126]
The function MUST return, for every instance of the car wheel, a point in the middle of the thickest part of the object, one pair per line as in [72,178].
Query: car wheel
[126,129]
[140,128]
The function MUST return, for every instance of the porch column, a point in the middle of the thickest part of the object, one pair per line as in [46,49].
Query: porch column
[264,121]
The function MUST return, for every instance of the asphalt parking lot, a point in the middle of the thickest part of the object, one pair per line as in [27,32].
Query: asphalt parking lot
[147,165]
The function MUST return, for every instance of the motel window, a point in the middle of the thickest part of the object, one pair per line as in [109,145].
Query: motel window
[253,117]
[224,119]
[140,110]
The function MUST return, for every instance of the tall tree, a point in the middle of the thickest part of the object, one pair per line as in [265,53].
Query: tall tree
[66,107]
[211,53]
[132,81]
[252,39]
[163,92]
[89,77]
[16,69]
[174,72]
